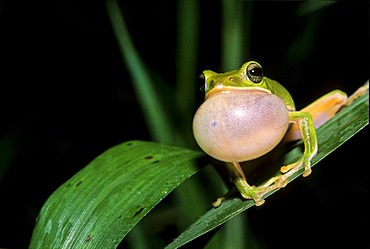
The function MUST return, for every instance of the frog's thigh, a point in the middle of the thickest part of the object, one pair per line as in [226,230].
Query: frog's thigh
[321,111]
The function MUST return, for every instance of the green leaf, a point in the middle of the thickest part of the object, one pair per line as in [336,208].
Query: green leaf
[330,136]
[98,206]
[159,123]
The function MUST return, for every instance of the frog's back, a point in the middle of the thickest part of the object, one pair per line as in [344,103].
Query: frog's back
[277,89]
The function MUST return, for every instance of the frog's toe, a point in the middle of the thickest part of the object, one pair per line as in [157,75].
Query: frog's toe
[259,202]
[218,202]
[307,172]
[254,193]
[287,168]
[282,184]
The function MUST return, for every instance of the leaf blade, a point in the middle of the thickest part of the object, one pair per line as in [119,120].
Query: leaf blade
[98,206]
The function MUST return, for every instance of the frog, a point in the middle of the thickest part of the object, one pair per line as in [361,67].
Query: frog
[245,115]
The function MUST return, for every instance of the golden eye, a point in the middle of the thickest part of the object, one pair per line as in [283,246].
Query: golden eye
[254,73]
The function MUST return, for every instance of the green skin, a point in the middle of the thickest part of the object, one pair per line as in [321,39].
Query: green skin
[249,79]
[240,79]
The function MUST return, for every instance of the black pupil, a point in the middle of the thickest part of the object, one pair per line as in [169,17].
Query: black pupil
[256,71]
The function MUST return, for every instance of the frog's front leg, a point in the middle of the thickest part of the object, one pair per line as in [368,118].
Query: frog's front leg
[306,126]
[247,191]
[308,133]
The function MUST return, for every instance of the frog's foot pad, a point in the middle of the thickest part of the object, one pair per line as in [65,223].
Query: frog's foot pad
[218,202]
[307,172]
[290,169]
[285,169]
[259,202]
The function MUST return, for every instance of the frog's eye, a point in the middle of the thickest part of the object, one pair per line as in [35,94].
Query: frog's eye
[254,73]
[201,82]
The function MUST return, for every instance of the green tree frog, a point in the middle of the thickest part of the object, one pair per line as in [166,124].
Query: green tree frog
[245,115]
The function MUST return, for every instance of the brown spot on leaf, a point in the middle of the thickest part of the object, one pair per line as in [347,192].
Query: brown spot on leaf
[138,212]
[88,238]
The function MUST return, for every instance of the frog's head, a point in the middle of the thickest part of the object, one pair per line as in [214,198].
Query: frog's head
[248,78]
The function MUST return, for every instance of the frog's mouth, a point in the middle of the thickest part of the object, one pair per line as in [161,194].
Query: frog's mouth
[221,89]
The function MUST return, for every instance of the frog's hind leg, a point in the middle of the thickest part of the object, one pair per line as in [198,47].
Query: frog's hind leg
[325,108]
[321,111]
